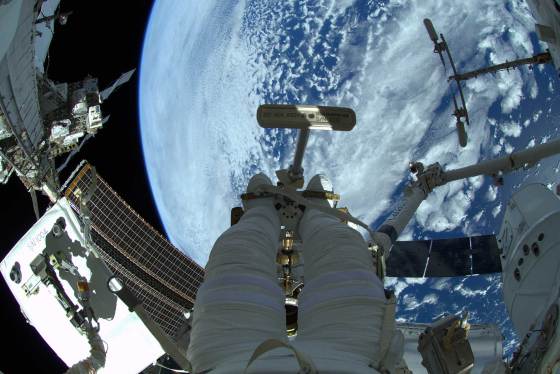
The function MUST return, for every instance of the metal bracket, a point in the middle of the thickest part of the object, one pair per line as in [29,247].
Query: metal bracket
[427,178]
[530,360]
[445,347]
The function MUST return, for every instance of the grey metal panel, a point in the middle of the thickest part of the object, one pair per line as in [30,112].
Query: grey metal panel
[449,257]
[485,254]
[18,86]
[125,77]
[408,259]
[23,75]
[9,15]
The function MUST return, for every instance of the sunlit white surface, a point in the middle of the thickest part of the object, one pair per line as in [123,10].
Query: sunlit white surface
[130,345]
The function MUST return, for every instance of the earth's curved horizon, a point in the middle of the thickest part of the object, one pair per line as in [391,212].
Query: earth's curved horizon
[206,66]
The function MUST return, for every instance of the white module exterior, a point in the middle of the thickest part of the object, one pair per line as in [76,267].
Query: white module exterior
[131,347]
[530,247]
[94,120]
[547,15]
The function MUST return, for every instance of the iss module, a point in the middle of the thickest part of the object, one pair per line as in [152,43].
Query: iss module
[530,245]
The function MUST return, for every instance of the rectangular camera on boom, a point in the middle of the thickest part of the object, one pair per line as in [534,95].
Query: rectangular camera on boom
[306,117]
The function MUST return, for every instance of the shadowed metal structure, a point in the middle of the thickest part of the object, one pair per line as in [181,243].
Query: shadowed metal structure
[162,277]
[40,119]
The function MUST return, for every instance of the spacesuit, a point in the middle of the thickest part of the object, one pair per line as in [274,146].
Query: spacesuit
[346,323]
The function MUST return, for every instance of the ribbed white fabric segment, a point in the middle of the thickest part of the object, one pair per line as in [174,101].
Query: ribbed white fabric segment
[240,303]
[342,305]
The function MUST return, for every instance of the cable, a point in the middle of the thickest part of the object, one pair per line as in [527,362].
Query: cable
[173,370]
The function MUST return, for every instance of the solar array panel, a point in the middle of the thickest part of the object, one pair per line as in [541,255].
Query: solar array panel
[449,257]
[408,259]
[162,277]
[485,254]
[18,85]
[167,311]
[444,257]
[19,104]
[119,82]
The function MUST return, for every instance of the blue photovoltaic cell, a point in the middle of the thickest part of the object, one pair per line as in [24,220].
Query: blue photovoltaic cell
[485,255]
[407,259]
[449,257]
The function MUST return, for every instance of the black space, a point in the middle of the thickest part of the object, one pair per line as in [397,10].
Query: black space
[102,39]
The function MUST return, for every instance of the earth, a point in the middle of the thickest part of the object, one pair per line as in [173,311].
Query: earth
[207,65]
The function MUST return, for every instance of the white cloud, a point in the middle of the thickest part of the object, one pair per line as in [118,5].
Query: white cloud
[430,299]
[511,129]
[395,284]
[508,147]
[493,280]
[496,210]
[416,280]
[468,292]
[456,201]
[476,182]
[512,90]
[533,89]
[496,149]
[492,193]
[410,302]
[537,115]
[478,216]
[399,284]
[442,284]
[407,233]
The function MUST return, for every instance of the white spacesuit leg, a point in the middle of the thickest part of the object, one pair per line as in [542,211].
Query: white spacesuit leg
[240,304]
[342,308]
